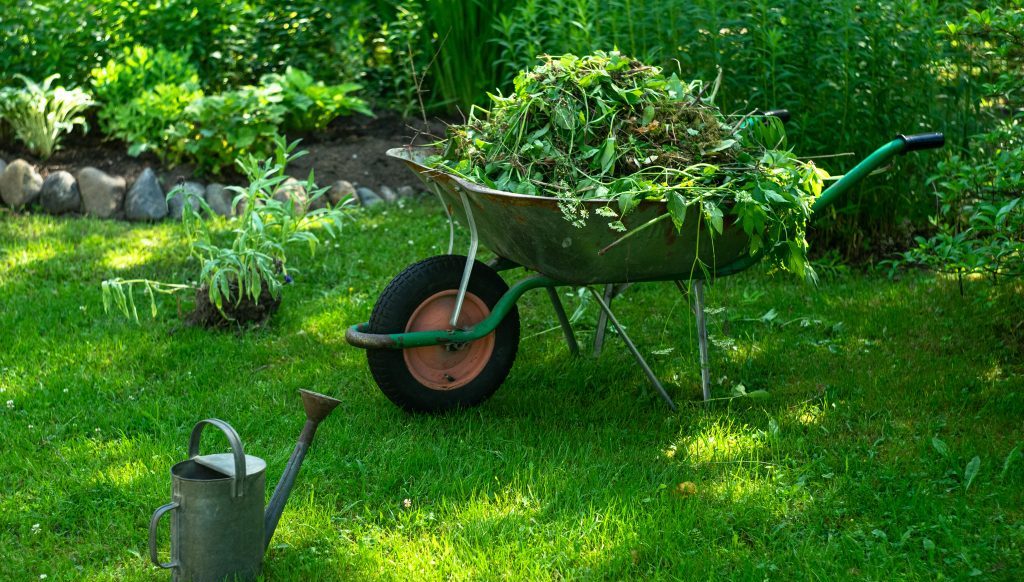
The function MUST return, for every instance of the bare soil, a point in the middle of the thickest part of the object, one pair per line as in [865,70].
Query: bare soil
[245,312]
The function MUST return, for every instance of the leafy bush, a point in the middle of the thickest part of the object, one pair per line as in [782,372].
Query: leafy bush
[120,82]
[310,104]
[147,122]
[39,114]
[980,218]
[216,130]
[253,266]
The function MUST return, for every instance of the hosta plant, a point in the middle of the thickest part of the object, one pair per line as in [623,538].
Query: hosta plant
[241,276]
[40,114]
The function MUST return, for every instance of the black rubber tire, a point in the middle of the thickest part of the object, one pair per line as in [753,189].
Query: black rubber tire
[396,305]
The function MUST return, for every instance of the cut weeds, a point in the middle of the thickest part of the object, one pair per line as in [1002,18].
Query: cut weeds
[608,127]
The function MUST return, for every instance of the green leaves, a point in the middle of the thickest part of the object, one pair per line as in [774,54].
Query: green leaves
[41,114]
[971,471]
[579,128]
[677,208]
[256,257]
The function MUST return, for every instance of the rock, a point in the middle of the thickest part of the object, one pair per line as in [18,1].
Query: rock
[145,200]
[191,192]
[3,165]
[292,189]
[219,199]
[102,194]
[367,197]
[317,203]
[388,194]
[340,191]
[20,184]
[405,191]
[60,194]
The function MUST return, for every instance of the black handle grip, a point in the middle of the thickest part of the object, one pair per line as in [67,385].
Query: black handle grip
[782,114]
[922,141]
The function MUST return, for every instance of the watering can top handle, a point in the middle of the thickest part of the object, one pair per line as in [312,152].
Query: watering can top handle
[233,440]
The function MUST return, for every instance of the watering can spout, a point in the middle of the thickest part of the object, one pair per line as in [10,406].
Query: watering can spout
[318,407]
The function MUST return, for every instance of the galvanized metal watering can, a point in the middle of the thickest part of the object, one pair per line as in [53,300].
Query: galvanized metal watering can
[219,528]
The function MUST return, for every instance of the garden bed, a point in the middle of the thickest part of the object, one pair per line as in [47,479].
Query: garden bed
[351,149]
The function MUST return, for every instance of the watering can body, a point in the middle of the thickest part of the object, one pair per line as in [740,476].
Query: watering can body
[219,529]
[216,513]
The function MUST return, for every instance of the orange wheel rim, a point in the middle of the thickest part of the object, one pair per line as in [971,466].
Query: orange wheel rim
[447,367]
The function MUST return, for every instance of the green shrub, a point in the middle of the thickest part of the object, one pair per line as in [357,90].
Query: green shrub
[40,114]
[980,190]
[216,130]
[121,81]
[312,105]
[147,122]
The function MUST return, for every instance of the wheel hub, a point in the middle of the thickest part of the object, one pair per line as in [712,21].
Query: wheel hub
[448,366]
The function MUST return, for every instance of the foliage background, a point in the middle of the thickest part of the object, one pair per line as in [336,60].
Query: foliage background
[853,73]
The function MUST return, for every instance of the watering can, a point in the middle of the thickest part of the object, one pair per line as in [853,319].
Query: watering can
[219,528]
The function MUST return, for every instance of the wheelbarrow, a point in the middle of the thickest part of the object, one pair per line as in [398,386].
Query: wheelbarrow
[444,333]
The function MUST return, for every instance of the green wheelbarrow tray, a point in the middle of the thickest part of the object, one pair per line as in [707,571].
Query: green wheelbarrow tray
[532,232]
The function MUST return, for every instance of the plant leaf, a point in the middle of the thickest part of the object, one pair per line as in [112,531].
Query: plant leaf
[971,472]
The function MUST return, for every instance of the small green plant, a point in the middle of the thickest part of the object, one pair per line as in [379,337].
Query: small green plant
[310,104]
[241,280]
[40,114]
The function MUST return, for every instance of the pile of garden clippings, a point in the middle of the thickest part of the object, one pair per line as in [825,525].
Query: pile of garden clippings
[608,127]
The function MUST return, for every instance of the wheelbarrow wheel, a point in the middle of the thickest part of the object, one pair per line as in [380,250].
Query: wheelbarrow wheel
[442,377]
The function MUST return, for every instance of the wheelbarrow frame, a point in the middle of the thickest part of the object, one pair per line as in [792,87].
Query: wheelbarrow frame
[451,189]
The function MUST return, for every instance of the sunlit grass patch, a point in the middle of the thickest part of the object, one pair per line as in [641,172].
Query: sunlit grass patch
[575,469]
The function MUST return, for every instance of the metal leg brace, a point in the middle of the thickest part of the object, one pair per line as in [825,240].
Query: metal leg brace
[632,348]
[563,320]
[474,244]
[702,337]
[611,291]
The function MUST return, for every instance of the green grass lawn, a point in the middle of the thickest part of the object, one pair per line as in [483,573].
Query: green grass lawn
[571,471]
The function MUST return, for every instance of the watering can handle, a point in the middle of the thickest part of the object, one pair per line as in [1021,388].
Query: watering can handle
[153,522]
[233,440]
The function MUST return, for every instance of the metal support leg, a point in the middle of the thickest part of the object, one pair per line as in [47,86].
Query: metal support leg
[702,338]
[563,320]
[602,320]
[474,244]
[447,212]
[611,291]
[632,348]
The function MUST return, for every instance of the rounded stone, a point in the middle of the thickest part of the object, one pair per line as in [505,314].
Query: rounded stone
[102,194]
[190,192]
[292,189]
[340,192]
[145,200]
[388,194]
[20,184]
[59,194]
[219,199]
[368,197]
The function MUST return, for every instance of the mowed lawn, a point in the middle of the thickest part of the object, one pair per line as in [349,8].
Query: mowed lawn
[882,393]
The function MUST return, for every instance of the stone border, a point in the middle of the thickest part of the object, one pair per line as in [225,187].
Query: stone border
[92,192]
